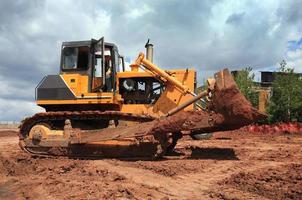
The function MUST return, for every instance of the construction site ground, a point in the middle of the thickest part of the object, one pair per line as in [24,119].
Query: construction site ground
[230,165]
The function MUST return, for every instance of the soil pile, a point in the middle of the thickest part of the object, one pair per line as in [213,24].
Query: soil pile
[281,128]
[281,183]
[229,110]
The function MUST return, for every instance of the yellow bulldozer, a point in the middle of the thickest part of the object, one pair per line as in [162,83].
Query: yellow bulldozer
[94,107]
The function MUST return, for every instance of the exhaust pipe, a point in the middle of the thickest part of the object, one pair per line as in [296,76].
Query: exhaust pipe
[149,51]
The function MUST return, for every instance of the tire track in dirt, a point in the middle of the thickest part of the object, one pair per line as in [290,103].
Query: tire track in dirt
[176,187]
[190,185]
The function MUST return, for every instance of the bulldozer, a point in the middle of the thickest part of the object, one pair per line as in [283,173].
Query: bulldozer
[95,107]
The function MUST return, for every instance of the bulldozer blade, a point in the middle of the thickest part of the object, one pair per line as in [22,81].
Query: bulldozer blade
[115,149]
[129,141]
[228,101]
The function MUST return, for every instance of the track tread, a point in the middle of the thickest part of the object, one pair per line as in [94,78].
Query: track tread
[47,117]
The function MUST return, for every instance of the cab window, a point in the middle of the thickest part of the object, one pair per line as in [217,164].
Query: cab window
[75,58]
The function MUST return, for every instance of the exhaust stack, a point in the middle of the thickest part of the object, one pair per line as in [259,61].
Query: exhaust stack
[149,51]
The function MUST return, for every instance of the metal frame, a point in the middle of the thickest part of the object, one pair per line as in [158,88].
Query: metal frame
[75,44]
[90,70]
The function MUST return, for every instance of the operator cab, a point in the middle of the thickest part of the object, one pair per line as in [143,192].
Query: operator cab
[97,59]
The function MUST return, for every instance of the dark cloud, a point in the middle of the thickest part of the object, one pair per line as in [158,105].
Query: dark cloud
[290,12]
[184,36]
[235,18]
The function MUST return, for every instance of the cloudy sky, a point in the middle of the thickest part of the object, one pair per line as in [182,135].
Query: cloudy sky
[205,34]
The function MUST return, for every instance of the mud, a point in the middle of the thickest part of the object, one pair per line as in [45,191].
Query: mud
[8,133]
[230,165]
[231,104]
[188,121]
[229,110]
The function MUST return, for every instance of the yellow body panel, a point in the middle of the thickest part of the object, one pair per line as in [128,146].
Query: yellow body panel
[170,98]
[77,83]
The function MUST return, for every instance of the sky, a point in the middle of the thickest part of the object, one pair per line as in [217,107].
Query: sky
[206,35]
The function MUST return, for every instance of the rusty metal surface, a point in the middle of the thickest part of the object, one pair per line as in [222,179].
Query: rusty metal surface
[78,115]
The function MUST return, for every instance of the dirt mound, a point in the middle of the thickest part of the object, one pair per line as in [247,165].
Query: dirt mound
[281,183]
[281,128]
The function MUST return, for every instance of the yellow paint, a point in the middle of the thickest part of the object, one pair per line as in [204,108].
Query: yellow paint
[45,132]
[112,143]
[77,83]
[179,85]
[169,99]
[161,73]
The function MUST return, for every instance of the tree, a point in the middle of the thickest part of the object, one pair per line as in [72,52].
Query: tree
[244,79]
[286,100]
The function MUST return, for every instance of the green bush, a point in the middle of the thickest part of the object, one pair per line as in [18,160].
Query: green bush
[286,101]
[244,79]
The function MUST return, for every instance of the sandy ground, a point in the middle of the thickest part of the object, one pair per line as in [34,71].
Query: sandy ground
[231,165]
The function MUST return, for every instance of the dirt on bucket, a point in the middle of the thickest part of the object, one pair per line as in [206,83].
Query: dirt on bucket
[229,110]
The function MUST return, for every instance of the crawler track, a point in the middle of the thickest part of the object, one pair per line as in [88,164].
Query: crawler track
[47,117]
[50,118]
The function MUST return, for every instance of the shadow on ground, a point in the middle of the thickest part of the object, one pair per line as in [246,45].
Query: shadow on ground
[213,153]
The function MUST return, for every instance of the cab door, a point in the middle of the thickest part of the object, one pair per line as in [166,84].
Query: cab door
[98,76]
